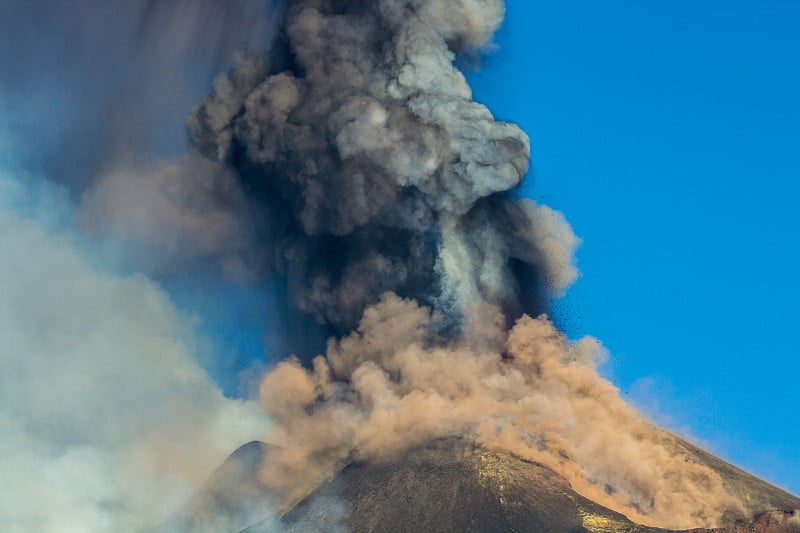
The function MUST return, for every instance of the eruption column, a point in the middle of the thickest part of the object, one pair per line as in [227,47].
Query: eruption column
[387,201]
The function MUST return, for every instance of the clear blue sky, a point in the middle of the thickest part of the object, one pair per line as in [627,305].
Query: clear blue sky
[667,132]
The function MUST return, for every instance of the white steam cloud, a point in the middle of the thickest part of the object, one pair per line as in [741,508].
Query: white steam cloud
[107,421]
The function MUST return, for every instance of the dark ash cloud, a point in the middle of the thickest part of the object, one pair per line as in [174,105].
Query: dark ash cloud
[360,138]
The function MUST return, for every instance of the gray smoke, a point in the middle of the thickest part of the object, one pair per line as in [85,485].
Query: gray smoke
[93,96]
[359,138]
[86,81]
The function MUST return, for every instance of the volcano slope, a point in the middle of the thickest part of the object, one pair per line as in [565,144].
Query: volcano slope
[451,485]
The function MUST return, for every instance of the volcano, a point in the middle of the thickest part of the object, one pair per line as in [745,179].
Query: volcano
[385,202]
[452,485]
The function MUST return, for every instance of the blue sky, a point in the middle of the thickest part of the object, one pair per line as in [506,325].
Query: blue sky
[667,132]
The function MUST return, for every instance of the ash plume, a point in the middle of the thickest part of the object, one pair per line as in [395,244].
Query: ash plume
[360,139]
[387,195]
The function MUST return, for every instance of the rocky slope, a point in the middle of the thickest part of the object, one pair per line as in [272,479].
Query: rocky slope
[451,485]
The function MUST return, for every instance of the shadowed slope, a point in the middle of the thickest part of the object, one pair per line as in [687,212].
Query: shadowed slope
[231,499]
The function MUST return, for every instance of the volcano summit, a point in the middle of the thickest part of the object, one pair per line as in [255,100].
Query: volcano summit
[448,486]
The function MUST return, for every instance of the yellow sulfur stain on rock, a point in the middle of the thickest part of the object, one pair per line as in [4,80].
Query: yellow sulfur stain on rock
[603,524]
[494,472]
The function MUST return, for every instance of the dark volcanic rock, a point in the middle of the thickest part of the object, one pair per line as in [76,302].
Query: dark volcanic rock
[453,486]
[450,485]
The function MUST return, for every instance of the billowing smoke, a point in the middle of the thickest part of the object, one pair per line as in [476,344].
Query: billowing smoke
[388,199]
[393,384]
[377,170]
